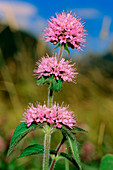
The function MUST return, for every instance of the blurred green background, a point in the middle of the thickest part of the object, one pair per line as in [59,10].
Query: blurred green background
[91,99]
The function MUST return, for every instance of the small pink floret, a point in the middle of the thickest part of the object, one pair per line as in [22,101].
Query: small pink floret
[55,115]
[65,28]
[48,66]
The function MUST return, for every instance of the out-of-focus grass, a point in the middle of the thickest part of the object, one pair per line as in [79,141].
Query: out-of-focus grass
[91,99]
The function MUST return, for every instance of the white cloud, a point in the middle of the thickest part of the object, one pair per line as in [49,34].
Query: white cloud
[17,14]
[19,8]
[87,13]
[21,15]
[105,30]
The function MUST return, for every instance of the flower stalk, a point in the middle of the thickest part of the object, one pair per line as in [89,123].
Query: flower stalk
[46,150]
[50,98]
[47,135]
[60,53]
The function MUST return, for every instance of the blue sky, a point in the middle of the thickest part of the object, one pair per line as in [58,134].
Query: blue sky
[97,14]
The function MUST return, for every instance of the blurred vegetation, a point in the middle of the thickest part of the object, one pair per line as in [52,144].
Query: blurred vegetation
[91,99]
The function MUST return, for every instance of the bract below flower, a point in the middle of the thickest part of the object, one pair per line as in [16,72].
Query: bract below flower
[49,66]
[55,115]
[65,28]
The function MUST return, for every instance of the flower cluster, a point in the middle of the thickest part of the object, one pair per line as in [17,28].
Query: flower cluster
[65,28]
[49,66]
[56,115]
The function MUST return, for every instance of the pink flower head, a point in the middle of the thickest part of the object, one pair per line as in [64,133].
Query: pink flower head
[65,28]
[55,115]
[48,66]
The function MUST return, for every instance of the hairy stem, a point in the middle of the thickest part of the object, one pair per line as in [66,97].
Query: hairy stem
[57,150]
[46,151]
[60,53]
[50,98]
[47,134]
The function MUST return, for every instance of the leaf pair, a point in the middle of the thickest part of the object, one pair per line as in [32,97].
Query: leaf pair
[39,149]
[54,84]
[22,130]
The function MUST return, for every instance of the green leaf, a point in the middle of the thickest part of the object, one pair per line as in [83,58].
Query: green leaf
[33,150]
[65,155]
[39,149]
[107,162]
[66,48]
[56,47]
[75,128]
[41,81]
[55,85]
[73,144]
[21,131]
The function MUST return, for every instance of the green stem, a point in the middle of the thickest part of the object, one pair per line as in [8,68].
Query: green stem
[46,151]
[50,98]
[60,53]
[47,130]
[47,134]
